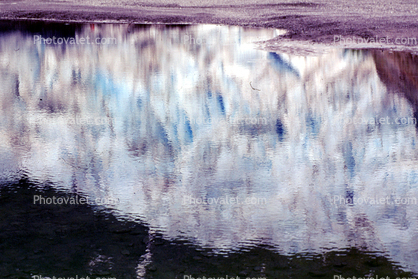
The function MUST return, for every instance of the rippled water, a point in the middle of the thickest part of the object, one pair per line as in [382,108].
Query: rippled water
[195,133]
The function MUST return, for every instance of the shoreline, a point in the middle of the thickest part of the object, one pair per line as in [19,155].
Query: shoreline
[311,26]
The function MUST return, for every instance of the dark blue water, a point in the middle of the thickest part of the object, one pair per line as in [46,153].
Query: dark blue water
[199,154]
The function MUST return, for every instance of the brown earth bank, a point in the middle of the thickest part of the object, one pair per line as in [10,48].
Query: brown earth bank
[315,21]
[399,72]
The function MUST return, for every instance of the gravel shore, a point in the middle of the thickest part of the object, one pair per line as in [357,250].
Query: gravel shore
[319,21]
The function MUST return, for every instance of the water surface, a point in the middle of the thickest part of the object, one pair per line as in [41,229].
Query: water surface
[169,118]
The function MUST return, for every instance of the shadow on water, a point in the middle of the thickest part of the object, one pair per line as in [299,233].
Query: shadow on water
[68,240]
[45,29]
[63,240]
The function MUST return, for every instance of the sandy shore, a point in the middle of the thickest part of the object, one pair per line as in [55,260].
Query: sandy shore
[317,21]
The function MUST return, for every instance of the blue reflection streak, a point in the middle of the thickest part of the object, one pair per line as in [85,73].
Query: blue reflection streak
[221,103]
[280,65]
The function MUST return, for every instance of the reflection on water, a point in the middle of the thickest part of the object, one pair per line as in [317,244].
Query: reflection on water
[161,122]
[399,72]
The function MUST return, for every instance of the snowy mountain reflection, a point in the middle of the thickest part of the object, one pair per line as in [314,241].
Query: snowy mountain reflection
[170,116]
